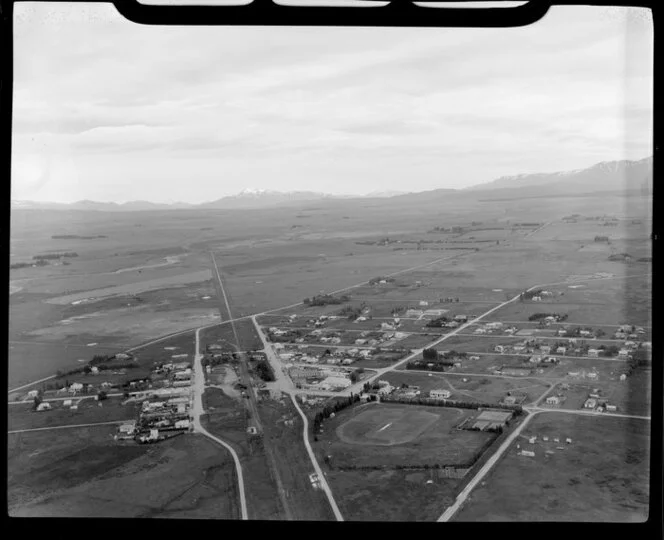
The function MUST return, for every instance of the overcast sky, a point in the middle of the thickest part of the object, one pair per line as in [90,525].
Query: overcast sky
[112,111]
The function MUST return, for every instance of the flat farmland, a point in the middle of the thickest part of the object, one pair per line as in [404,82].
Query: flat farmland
[223,334]
[136,287]
[603,476]
[476,388]
[33,361]
[389,435]
[84,473]
[284,285]
[164,350]
[21,416]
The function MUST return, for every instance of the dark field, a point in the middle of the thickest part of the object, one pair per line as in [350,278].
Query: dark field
[82,472]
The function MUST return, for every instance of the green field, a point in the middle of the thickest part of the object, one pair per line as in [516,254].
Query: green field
[603,476]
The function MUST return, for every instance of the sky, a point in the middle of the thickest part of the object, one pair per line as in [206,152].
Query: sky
[108,110]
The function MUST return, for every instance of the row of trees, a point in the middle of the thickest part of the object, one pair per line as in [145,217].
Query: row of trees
[539,316]
[325,299]
[517,409]
[332,408]
[53,256]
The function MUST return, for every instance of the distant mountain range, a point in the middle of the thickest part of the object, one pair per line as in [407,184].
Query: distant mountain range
[604,176]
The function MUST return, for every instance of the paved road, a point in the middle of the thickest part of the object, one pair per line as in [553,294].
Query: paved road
[31,384]
[198,411]
[314,462]
[461,498]
[69,427]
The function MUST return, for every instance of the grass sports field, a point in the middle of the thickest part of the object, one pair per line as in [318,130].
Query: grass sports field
[394,435]
[386,427]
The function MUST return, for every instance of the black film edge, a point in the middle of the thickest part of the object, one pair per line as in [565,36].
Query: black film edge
[267,13]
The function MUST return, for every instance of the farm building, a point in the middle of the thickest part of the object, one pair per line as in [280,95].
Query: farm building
[553,400]
[33,393]
[461,318]
[44,406]
[528,453]
[561,350]
[594,353]
[440,394]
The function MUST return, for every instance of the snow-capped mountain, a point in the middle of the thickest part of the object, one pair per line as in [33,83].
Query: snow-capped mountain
[604,176]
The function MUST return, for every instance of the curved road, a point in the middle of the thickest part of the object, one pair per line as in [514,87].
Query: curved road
[199,388]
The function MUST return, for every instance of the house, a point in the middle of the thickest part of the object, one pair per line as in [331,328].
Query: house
[561,350]
[440,394]
[461,318]
[33,393]
[553,400]
[94,370]
[623,377]
[550,319]
[480,331]
[128,428]
[593,353]
[562,332]
[499,348]
[451,324]
[592,375]
[76,387]
[494,325]
[122,356]
[106,384]
[424,303]
[528,453]
[647,345]
[66,403]
[360,341]
[568,440]
[590,403]
[44,406]
[535,359]
[611,408]
[386,326]
[519,348]
[509,400]
[474,358]
[585,333]
[414,313]
[347,361]
[623,353]
[537,298]
[545,349]
[182,424]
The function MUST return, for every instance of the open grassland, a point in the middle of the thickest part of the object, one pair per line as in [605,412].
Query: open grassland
[167,350]
[136,287]
[391,495]
[226,418]
[224,335]
[392,436]
[33,361]
[603,476]
[82,472]
[22,416]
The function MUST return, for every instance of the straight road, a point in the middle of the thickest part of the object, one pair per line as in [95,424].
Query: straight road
[255,415]
[314,462]
[113,422]
[461,498]
[198,411]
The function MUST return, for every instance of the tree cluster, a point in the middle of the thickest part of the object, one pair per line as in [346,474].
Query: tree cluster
[325,299]
[332,408]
